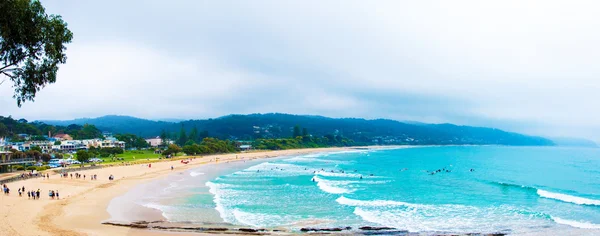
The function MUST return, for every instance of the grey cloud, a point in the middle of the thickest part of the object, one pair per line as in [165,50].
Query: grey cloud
[523,66]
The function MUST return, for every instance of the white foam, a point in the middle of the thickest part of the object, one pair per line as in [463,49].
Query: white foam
[568,198]
[194,174]
[156,206]
[215,190]
[338,174]
[576,224]
[330,186]
[262,220]
[373,203]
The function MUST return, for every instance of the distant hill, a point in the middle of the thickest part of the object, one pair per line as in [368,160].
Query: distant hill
[574,142]
[380,131]
[118,124]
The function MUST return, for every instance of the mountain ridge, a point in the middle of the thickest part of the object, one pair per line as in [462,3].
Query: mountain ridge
[277,125]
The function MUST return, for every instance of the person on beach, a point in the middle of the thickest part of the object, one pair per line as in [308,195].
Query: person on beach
[28,195]
[23,189]
[171,167]
[83,177]
[19,192]
[37,194]
[47,176]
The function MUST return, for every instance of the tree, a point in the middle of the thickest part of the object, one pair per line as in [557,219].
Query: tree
[36,148]
[32,44]
[296,131]
[194,134]
[34,154]
[82,156]
[164,138]
[57,142]
[182,137]
[46,157]
[3,130]
[172,150]
[304,132]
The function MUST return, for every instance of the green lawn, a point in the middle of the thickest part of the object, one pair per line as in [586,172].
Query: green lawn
[129,156]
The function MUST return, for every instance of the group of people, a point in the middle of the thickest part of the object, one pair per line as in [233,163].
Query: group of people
[46,176]
[29,175]
[33,194]
[439,171]
[53,194]
[5,189]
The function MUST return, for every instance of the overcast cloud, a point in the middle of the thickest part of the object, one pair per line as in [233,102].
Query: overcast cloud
[527,66]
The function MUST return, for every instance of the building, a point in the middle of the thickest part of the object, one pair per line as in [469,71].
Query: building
[62,137]
[157,141]
[6,161]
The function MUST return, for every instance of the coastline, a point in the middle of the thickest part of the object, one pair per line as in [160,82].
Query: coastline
[83,204]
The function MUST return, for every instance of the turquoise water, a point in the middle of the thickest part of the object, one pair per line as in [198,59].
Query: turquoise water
[510,189]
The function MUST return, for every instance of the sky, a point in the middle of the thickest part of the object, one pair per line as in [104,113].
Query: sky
[524,66]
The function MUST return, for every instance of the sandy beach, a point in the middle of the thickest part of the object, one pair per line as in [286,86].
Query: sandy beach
[83,203]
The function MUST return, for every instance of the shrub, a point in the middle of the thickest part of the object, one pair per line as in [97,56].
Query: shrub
[31,168]
[42,168]
[18,167]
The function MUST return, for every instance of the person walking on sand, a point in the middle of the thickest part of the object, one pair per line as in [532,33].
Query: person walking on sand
[28,195]
[37,194]
[57,197]
[171,167]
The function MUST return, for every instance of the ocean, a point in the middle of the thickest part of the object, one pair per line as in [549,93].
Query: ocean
[458,189]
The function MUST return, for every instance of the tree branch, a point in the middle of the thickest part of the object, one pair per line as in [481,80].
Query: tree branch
[1,69]
[11,76]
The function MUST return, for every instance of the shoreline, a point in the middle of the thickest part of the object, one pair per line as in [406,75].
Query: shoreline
[83,204]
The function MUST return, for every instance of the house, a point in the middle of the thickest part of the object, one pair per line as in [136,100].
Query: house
[157,141]
[62,137]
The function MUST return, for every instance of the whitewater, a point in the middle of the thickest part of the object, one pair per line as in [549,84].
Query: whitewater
[452,189]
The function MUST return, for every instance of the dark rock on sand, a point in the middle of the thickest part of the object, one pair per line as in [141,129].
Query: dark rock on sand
[375,228]
[324,229]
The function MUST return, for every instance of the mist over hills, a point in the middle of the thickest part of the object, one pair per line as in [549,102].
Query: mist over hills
[274,125]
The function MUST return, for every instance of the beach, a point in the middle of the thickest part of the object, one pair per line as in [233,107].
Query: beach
[83,203]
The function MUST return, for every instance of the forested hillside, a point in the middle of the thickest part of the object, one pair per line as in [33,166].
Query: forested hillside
[361,131]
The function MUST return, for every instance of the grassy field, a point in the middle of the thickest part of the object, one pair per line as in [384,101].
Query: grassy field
[134,156]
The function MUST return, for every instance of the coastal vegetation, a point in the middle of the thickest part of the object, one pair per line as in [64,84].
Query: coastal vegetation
[12,129]
[281,126]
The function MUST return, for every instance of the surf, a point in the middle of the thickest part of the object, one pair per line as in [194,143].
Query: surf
[568,198]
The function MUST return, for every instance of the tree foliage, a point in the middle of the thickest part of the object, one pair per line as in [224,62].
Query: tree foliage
[14,127]
[132,141]
[32,45]
[211,146]
[46,157]
[173,149]
[82,156]
[182,137]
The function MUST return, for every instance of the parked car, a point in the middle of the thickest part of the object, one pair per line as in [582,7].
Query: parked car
[95,160]
[54,165]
